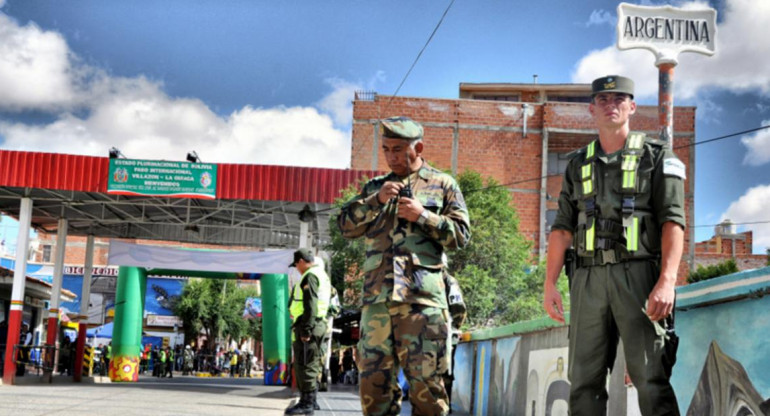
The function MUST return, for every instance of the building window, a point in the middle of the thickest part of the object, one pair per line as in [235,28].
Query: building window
[557,163]
[515,98]
[569,98]
[550,218]
[46,253]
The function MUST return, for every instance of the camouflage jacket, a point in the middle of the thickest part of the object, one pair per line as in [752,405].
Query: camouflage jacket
[403,259]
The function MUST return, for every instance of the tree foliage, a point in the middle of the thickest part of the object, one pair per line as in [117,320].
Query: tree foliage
[347,256]
[710,272]
[500,283]
[205,307]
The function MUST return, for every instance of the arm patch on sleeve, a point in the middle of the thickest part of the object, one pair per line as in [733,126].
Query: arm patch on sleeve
[674,167]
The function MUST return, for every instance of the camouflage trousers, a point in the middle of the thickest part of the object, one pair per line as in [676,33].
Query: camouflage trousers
[408,336]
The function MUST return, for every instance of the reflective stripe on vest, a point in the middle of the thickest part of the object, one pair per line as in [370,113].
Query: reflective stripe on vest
[632,154]
[324,294]
[631,157]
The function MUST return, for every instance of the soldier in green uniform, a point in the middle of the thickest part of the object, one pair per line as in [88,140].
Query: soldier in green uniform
[308,308]
[622,207]
[407,218]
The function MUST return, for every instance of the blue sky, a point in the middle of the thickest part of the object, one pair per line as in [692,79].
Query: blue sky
[256,81]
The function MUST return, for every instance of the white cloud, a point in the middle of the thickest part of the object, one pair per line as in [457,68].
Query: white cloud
[339,104]
[758,145]
[35,68]
[752,207]
[740,63]
[601,17]
[94,111]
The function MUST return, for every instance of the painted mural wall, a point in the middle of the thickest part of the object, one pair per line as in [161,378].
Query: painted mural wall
[722,369]
[723,362]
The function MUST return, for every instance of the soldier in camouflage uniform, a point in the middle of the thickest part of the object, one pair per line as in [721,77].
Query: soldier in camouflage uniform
[404,320]
[622,205]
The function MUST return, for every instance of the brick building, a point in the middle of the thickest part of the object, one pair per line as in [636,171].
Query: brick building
[518,134]
[727,244]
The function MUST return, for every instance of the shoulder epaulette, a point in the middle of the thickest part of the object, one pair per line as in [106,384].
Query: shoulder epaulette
[654,141]
[575,152]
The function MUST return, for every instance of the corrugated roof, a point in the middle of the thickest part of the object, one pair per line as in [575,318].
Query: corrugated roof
[234,181]
[53,171]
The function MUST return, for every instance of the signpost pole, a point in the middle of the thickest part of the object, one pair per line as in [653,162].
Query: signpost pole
[666,102]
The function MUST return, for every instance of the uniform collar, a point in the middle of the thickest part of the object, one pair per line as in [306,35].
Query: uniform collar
[425,171]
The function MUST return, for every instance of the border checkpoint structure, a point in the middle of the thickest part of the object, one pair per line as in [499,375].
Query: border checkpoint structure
[267,207]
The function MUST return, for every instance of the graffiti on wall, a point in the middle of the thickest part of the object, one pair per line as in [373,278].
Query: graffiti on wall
[463,374]
[547,385]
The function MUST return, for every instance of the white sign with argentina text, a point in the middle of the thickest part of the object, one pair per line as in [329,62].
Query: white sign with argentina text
[667,31]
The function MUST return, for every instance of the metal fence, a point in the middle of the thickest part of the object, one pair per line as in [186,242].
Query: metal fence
[34,359]
[366,95]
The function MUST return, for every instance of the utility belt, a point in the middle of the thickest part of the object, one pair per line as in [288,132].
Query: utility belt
[609,247]
[612,256]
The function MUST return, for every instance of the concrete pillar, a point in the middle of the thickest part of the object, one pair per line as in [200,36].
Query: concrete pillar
[543,195]
[58,278]
[303,234]
[85,296]
[17,293]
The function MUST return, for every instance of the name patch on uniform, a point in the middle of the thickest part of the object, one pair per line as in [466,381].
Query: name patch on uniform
[674,167]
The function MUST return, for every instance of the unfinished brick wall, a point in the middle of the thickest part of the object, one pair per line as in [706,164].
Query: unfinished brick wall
[490,140]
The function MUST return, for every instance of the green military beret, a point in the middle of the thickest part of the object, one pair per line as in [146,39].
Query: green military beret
[401,128]
[613,83]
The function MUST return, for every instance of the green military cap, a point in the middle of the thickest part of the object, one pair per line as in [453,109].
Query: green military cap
[401,128]
[613,83]
[302,254]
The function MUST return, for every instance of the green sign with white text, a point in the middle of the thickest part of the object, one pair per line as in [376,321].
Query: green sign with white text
[162,178]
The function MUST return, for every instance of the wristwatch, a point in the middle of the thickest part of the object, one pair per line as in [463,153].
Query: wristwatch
[423,217]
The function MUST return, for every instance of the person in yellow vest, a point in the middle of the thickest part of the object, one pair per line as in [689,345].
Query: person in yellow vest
[308,308]
[162,367]
[233,362]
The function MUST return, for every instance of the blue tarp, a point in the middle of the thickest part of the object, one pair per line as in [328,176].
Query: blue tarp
[104,331]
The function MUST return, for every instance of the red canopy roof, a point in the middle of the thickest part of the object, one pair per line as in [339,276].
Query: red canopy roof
[234,181]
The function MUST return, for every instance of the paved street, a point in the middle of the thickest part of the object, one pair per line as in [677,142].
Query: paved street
[177,396]
[150,396]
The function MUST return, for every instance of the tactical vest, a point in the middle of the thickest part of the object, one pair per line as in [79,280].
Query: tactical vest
[296,306]
[602,240]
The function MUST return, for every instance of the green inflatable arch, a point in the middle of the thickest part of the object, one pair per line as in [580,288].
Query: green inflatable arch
[129,309]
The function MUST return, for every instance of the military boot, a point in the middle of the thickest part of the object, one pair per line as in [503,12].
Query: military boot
[315,400]
[304,407]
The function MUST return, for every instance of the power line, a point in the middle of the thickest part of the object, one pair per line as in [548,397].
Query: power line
[435,29]
[727,136]
[420,54]
[733,223]
[723,137]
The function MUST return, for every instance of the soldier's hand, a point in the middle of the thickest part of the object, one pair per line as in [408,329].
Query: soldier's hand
[389,191]
[305,338]
[409,209]
[661,300]
[553,304]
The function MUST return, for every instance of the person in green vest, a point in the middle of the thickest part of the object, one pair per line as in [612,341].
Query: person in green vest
[622,208]
[308,307]
[162,360]
[169,367]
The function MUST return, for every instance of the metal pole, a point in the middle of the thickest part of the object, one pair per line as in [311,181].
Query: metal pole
[85,296]
[58,278]
[666,102]
[17,293]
